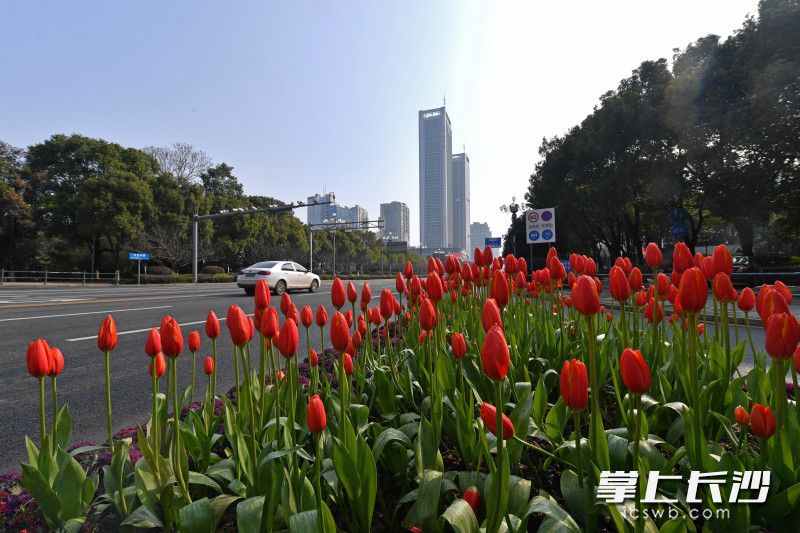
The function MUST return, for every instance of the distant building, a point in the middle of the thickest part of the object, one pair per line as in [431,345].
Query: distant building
[333,212]
[395,221]
[478,232]
[435,179]
[318,213]
[459,200]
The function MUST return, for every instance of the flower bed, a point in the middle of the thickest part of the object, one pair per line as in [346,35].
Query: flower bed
[483,398]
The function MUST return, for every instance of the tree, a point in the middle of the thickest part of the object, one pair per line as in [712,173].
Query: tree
[16,215]
[182,160]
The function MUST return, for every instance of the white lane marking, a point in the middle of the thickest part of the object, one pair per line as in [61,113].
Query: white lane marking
[86,313]
[144,329]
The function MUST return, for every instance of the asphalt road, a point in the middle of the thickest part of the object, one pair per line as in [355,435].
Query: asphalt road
[69,319]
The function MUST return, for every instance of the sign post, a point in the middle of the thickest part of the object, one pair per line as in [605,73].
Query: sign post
[139,257]
[492,242]
[540,225]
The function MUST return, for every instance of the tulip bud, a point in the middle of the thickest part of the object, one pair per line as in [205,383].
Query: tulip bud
[723,261]
[494,354]
[634,370]
[208,365]
[160,365]
[489,417]
[574,385]
[38,358]
[337,293]
[56,363]
[315,415]
[742,416]
[347,360]
[653,256]
[693,291]
[585,298]
[682,257]
[212,325]
[107,336]
[472,497]
[762,421]
[307,316]
[635,280]
[340,331]
[783,334]
[194,341]
[322,316]
[153,344]
[458,345]
[171,337]
[618,284]
[238,325]
[262,294]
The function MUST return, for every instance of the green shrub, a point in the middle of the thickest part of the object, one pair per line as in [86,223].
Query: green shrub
[222,278]
[182,278]
[212,269]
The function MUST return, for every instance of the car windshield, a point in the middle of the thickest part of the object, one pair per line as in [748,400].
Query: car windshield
[264,264]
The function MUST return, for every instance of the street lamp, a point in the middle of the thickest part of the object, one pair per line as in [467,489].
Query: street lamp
[513,207]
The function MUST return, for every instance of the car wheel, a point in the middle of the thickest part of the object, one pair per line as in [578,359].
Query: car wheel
[250,291]
[280,287]
[314,286]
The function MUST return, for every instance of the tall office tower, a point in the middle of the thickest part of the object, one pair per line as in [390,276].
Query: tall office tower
[479,231]
[459,200]
[435,179]
[318,213]
[395,221]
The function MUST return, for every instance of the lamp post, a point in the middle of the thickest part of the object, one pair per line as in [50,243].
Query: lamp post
[512,208]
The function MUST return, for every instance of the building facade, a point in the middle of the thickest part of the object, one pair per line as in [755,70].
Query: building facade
[459,201]
[333,212]
[396,224]
[479,231]
[435,179]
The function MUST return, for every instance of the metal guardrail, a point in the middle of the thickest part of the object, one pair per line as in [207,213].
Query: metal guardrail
[51,276]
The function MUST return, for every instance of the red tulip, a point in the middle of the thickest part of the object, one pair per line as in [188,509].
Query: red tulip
[348,316]
[489,417]
[783,290]
[269,323]
[208,365]
[747,300]
[160,365]
[427,315]
[585,298]
[494,354]
[56,363]
[38,358]
[107,336]
[491,315]
[653,311]
[723,288]
[337,293]
[313,358]
[618,284]
[287,340]
[723,261]
[348,363]
[315,415]
[366,295]
[433,284]
[387,304]
[770,305]
[238,325]
[701,328]
[340,332]
[742,416]
[212,325]
[653,256]
[194,341]
[574,385]
[322,316]
[459,346]
[307,316]
[693,291]
[422,336]
[472,496]
[375,316]
[171,338]
[698,260]
[589,266]
[634,371]
[153,344]
[783,334]
[762,421]
[409,270]
[682,257]
[399,285]
[262,295]
[635,280]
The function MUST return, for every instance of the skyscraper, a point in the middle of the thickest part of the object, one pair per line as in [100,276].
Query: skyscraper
[395,221]
[318,213]
[435,179]
[478,233]
[459,200]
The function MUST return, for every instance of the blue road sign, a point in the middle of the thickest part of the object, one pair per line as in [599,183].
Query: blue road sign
[678,215]
[492,242]
[533,236]
[138,256]
[679,231]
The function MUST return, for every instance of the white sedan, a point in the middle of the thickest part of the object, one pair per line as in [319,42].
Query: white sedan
[279,275]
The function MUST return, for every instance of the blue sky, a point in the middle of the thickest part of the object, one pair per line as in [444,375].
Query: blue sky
[298,96]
